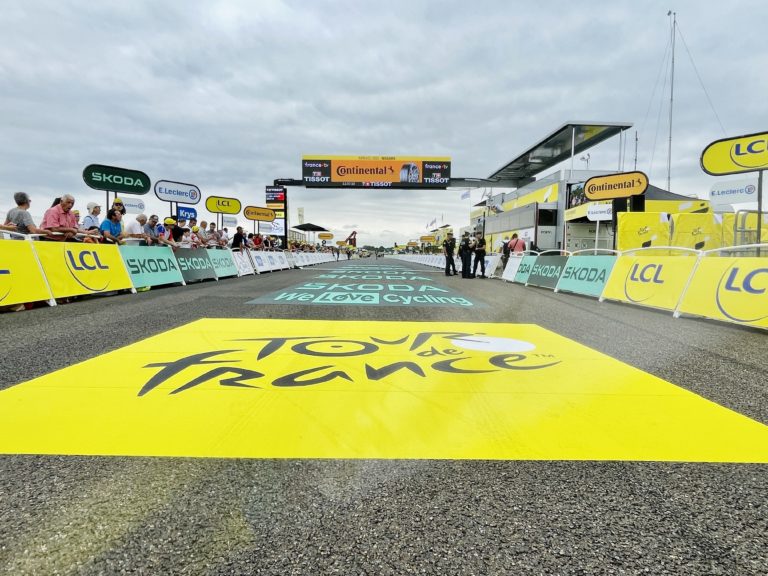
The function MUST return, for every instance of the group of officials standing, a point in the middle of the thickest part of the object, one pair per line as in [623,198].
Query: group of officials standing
[467,247]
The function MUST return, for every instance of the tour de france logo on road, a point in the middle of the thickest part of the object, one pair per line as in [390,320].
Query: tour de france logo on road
[741,295]
[86,267]
[405,359]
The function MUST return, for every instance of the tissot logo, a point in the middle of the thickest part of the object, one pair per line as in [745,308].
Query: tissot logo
[741,294]
[86,268]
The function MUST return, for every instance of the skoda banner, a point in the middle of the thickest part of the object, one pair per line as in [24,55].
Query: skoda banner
[195,264]
[168,191]
[223,263]
[586,275]
[524,270]
[546,271]
[151,265]
[113,179]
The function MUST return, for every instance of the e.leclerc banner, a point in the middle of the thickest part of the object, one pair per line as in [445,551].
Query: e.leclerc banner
[151,265]
[546,271]
[524,270]
[169,191]
[223,263]
[730,289]
[195,265]
[586,275]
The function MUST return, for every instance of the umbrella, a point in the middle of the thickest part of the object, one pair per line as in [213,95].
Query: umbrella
[310,228]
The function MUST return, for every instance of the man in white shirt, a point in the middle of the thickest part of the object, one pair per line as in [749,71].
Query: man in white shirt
[135,229]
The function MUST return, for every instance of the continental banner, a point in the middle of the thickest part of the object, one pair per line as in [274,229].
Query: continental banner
[74,269]
[642,230]
[195,265]
[510,270]
[151,265]
[586,275]
[697,231]
[546,271]
[376,171]
[655,281]
[730,289]
[524,270]
[223,263]
[21,279]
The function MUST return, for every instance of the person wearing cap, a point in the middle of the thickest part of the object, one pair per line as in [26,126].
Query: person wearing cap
[92,218]
[177,229]
[465,253]
[449,246]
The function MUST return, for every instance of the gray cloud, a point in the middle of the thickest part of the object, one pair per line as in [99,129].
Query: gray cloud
[230,95]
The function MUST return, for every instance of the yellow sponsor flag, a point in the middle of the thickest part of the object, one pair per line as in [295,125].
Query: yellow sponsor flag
[696,231]
[267,388]
[642,230]
[730,289]
[75,269]
[655,281]
[21,279]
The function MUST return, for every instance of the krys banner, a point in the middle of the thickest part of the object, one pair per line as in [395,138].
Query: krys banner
[376,171]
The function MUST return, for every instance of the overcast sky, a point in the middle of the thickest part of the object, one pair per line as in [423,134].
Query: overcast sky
[229,95]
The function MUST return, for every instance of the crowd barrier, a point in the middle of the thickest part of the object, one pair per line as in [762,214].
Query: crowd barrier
[438,261]
[35,271]
[691,282]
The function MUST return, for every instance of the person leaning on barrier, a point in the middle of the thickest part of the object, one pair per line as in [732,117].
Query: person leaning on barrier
[19,219]
[238,240]
[92,218]
[111,228]
[135,229]
[516,245]
[60,220]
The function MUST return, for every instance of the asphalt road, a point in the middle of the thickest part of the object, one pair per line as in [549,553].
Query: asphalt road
[118,515]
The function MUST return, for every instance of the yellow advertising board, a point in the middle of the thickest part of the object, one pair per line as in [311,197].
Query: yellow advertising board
[260,214]
[341,242]
[696,231]
[222,205]
[428,239]
[654,281]
[747,153]
[748,224]
[325,236]
[276,388]
[642,230]
[74,269]
[613,186]
[678,206]
[730,289]
[541,195]
[376,171]
[413,244]
[21,279]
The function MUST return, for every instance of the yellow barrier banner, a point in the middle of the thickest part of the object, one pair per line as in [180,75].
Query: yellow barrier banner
[730,289]
[748,233]
[696,231]
[76,269]
[276,388]
[655,281]
[642,230]
[21,279]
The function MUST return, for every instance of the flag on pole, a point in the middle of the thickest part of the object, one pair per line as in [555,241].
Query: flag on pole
[465,194]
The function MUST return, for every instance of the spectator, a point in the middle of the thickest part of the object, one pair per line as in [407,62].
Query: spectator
[92,218]
[111,228]
[249,241]
[151,230]
[59,218]
[214,237]
[177,230]
[119,205]
[516,245]
[135,229]
[258,242]
[238,240]
[18,219]
[224,237]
